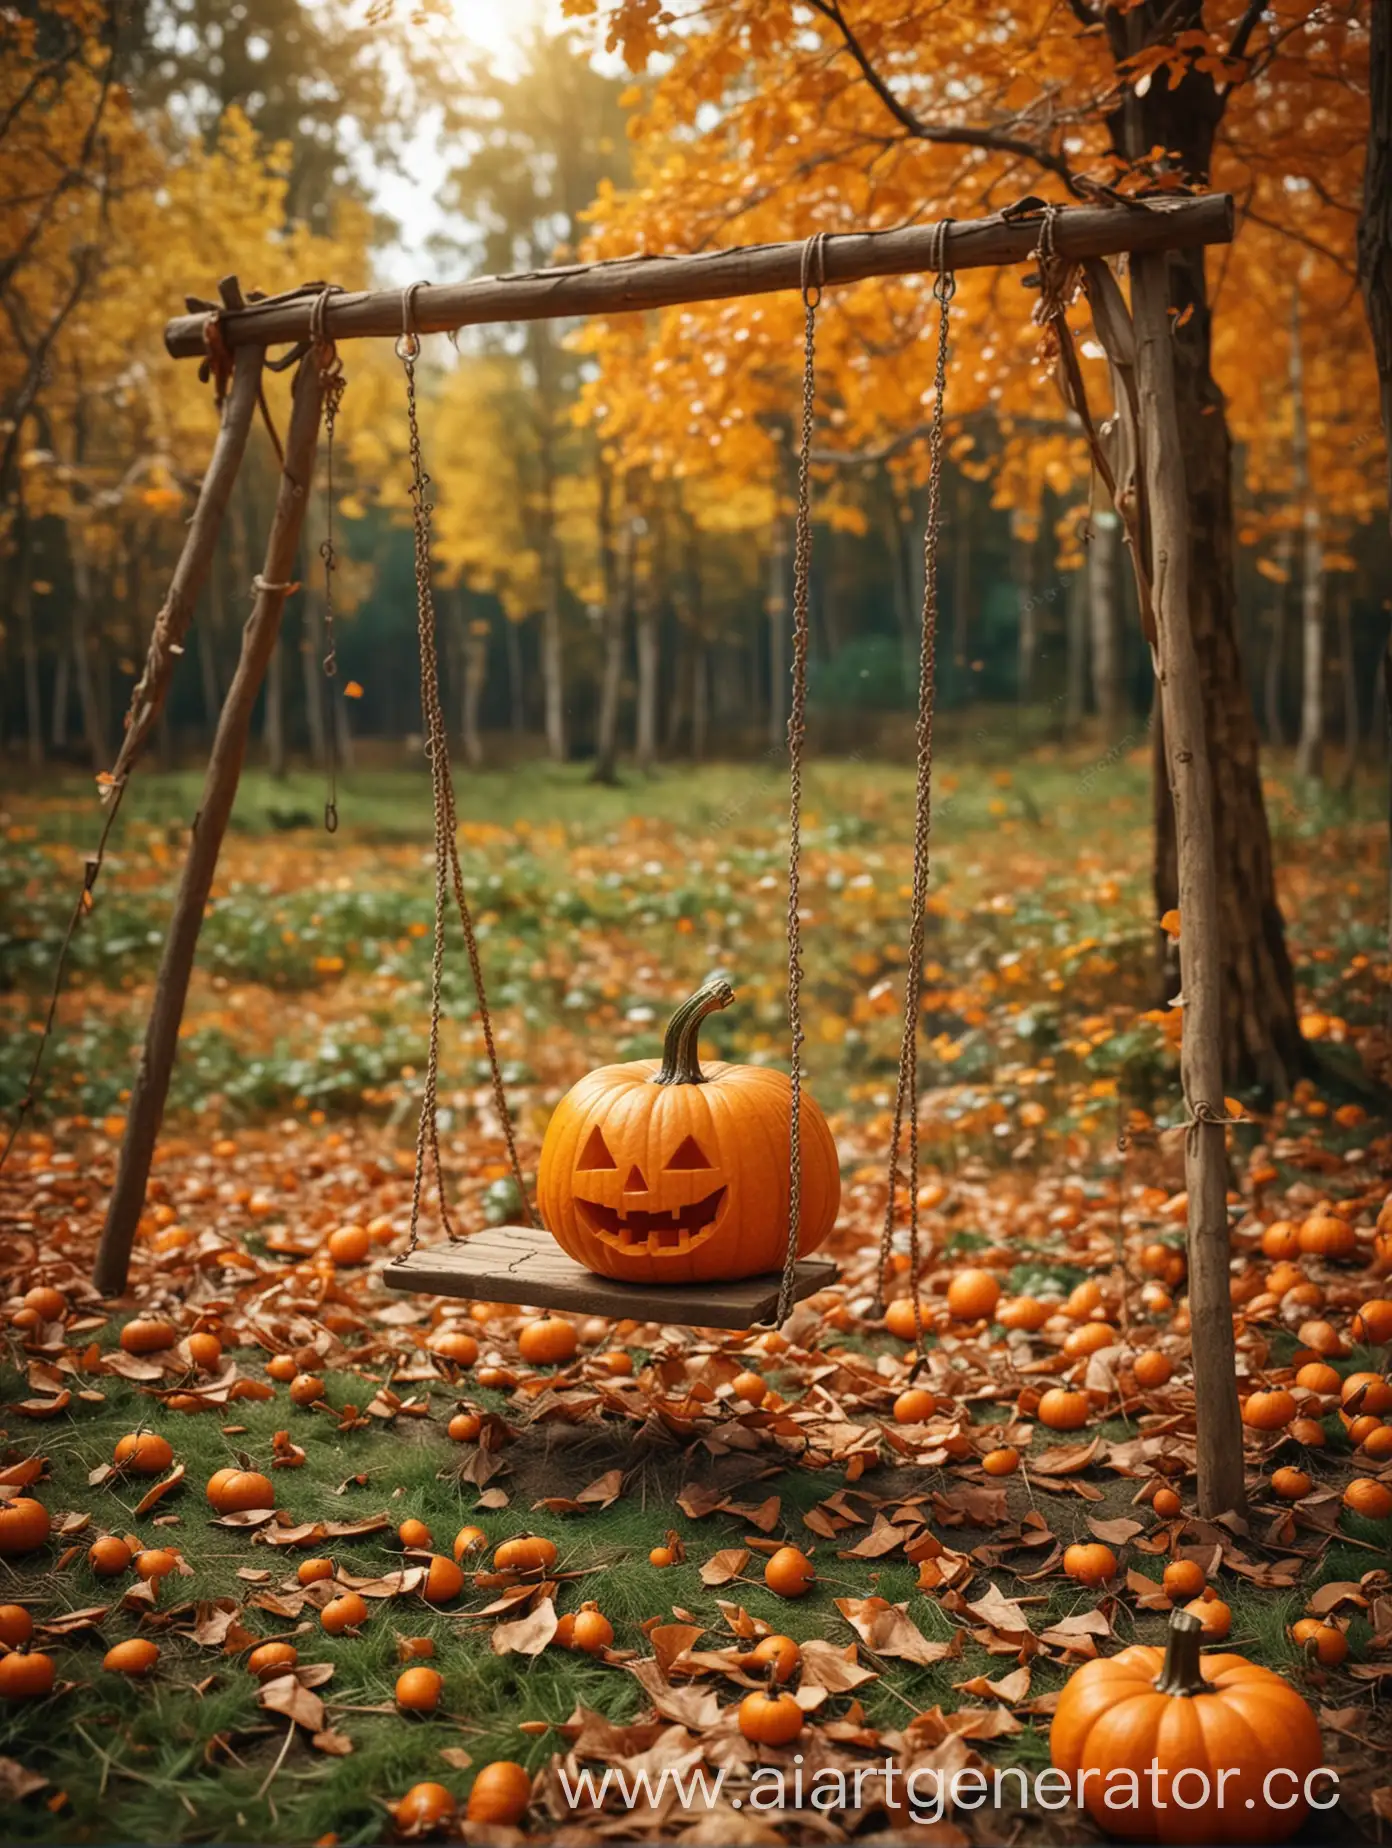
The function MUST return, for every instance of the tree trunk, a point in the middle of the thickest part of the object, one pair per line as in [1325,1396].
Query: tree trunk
[1022,550]
[61,690]
[616,563]
[89,702]
[1219,1429]
[961,576]
[1104,621]
[1375,221]
[273,721]
[151,1086]
[553,656]
[645,635]
[1075,685]
[517,700]
[700,700]
[1353,724]
[1273,677]
[777,607]
[312,665]
[1261,1037]
[33,702]
[1309,755]
[474,654]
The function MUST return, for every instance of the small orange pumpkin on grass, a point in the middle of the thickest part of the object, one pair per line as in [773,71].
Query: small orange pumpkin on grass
[1090,1563]
[26,1675]
[767,1718]
[501,1794]
[789,1572]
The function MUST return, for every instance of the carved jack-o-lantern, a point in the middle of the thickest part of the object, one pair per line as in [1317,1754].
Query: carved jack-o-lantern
[660,1172]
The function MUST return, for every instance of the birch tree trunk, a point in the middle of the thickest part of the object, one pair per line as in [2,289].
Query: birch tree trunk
[1104,621]
[1309,755]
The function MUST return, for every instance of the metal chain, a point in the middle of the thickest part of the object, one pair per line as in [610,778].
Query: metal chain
[333,384]
[448,872]
[906,1090]
[813,277]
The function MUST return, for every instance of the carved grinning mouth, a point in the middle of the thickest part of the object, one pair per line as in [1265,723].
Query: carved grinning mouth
[641,1230]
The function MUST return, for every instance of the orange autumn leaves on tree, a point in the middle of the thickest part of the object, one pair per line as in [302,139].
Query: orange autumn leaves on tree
[764,123]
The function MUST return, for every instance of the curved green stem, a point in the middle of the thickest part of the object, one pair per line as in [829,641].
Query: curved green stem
[680,1049]
[1180,1672]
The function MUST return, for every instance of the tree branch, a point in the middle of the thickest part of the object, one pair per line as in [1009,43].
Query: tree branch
[1245,28]
[957,134]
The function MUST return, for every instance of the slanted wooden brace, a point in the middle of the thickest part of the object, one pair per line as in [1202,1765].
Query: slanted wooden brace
[522,1263]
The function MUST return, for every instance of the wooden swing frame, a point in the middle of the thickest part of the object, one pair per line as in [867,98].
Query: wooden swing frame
[234,334]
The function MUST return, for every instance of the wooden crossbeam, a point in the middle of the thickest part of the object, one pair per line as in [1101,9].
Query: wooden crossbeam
[631,284]
[522,1264]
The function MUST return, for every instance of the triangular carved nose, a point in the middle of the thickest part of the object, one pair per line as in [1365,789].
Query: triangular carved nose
[635,1182]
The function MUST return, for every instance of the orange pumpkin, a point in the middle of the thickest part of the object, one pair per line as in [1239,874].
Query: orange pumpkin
[658,1171]
[1119,1714]
[413,1533]
[1183,1578]
[500,1794]
[1152,1369]
[26,1677]
[591,1631]
[751,1387]
[766,1718]
[418,1690]
[1281,1239]
[1308,1431]
[24,1526]
[108,1556]
[900,1317]
[1166,1504]
[143,1453]
[548,1342]
[1213,1613]
[1371,1392]
[778,1657]
[1023,1312]
[1318,1376]
[268,1660]
[1090,1563]
[311,1571]
[344,1612]
[661,1556]
[444,1580]
[1291,1484]
[1324,1641]
[913,1406]
[467,1541]
[1371,1499]
[464,1427]
[48,1304]
[528,1553]
[972,1294]
[454,1343]
[306,1389]
[349,1244]
[1002,1462]
[16,1626]
[235,1491]
[789,1572]
[425,1806]
[204,1350]
[1062,1410]
[136,1656]
[1325,1235]
[148,1334]
[1373,1322]
[1269,1411]
[1089,1338]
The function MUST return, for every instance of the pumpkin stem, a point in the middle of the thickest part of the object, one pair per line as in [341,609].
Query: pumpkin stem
[680,1049]
[1180,1672]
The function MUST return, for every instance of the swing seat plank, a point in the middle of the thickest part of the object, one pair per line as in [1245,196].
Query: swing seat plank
[522,1264]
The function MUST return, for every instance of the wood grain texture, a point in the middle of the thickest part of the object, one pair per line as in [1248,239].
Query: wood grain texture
[629,285]
[519,1264]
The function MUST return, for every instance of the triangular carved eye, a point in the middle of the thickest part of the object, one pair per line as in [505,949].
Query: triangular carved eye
[596,1153]
[689,1155]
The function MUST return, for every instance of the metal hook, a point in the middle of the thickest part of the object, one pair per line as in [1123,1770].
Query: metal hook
[945,283]
[408,344]
[814,268]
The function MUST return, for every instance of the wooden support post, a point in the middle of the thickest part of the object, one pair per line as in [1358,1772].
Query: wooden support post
[1219,1419]
[195,560]
[210,824]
